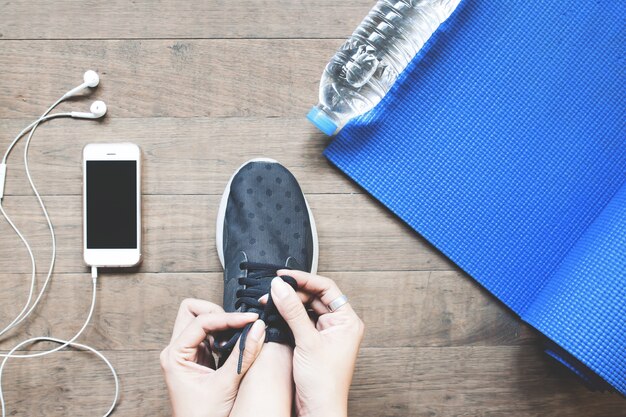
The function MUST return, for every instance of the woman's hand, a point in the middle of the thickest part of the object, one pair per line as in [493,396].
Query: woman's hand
[326,351]
[196,389]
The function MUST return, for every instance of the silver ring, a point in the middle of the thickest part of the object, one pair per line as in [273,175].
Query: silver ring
[338,303]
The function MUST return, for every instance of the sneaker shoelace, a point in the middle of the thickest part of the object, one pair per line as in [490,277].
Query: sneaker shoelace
[256,284]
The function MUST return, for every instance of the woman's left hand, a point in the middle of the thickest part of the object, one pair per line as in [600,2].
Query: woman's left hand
[196,389]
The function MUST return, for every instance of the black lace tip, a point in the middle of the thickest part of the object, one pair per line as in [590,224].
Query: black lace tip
[240,363]
[242,346]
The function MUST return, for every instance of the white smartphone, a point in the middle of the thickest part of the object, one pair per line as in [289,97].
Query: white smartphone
[111,204]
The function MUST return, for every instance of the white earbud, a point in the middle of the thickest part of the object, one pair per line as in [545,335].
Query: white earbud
[90,79]
[97,109]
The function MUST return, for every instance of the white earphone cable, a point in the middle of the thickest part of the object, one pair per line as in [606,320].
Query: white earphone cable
[19,317]
[26,311]
[42,118]
[46,215]
[75,346]
[63,343]
[23,313]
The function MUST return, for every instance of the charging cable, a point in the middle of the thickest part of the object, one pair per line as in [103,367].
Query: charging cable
[28,307]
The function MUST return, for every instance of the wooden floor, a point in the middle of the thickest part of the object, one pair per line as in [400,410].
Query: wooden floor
[202,86]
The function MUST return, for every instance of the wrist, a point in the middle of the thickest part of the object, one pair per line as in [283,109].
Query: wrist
[327,409]
[327,413]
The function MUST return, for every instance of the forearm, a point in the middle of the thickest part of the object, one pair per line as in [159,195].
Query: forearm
[267,389]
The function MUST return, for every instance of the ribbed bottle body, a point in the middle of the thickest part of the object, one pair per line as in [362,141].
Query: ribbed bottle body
[367,64]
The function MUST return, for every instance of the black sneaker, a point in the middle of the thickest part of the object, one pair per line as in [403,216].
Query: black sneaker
[263,224]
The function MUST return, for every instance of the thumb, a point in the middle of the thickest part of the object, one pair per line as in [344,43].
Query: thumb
[292,310]
[253,344]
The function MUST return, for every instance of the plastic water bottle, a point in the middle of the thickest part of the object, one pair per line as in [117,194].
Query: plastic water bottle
[369,62]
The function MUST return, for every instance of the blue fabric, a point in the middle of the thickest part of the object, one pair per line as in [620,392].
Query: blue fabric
[505,146]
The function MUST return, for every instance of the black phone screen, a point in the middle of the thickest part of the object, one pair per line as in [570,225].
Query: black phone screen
[111,204]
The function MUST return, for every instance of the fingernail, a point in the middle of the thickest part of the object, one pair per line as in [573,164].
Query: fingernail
[279,288]
[263,299]
[257,329]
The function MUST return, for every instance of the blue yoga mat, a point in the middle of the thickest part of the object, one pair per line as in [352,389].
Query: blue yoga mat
[504,145]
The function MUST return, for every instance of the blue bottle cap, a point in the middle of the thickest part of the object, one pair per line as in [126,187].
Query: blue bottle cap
[322,121]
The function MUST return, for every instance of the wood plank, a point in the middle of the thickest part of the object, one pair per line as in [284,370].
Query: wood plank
[137,311]
[355,233]
[180,156]
[201,88]
[190,19]
[161,78]
[471,381]
[390,382]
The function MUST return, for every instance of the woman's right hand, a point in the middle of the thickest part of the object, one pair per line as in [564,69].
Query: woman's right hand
[326,351]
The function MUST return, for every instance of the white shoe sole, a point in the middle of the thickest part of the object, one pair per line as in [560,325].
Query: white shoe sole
[221,214]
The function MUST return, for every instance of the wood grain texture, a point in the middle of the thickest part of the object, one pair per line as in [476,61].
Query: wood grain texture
[168,78]
[355,233]
[420,308]
[202,86]
[180,156]
[141,19]
[389,382]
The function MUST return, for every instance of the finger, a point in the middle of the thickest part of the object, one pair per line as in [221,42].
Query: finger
[306,299]
[253,345]
[204,355]
[196,331]
[323,288]
[319,307]
[189,309]
[292,310]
